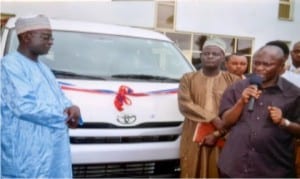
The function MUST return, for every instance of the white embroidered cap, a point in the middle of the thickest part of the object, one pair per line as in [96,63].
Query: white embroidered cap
[215,42]
[29,23]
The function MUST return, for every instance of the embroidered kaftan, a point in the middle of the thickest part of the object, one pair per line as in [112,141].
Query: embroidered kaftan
[199,99]
[34,136]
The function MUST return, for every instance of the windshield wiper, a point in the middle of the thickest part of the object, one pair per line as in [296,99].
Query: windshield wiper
[75,75]
[145,77]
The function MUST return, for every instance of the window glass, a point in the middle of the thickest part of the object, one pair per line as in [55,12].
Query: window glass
[241,45]
[4,18]
[244,46]
[196,61]
[249,63]
[198,42]
[229,44]
[183,41]
[165,14]
[100,55]
[285,11]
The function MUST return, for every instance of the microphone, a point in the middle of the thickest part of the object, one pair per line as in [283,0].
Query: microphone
[256,81]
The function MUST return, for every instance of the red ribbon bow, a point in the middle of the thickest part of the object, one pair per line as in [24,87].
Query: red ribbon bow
[121,97]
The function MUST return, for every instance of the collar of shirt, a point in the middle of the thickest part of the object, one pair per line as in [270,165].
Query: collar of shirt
[281,84]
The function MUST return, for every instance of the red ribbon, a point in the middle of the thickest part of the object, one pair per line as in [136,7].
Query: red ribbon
[121,97]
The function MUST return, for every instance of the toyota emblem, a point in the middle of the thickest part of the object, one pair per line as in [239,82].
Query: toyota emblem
[126,119]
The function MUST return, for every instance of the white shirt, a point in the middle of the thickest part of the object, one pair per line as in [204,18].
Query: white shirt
[292,68]
[292,75]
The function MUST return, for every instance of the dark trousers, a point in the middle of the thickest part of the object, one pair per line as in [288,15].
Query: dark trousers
[223,175]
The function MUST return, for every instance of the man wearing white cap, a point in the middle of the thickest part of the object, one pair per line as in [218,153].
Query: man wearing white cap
[199,98]
[35,113]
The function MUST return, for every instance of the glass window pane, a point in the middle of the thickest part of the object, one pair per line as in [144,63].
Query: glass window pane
[229,44]
[4,18]
[165,15]
[249,64]
[198,42]
[285,1]
[244,46]
[284,11]
[183,41]
[196,61]
[100,55]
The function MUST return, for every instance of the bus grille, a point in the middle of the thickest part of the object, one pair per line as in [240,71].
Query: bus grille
[121,139]
[158,169]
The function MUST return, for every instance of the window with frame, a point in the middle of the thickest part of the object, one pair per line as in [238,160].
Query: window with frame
[240,45]
[285,9]
[4,18]
[191,45]
[183,41]
[165,14]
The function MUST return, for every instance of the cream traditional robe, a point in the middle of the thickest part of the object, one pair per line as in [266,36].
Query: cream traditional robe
[199,99]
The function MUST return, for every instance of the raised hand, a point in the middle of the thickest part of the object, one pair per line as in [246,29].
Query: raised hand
[275,114]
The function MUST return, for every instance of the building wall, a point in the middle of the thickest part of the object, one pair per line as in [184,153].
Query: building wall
[246,18]
[251,18]
[133,13]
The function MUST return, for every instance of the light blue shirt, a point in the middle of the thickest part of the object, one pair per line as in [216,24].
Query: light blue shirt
[34,136]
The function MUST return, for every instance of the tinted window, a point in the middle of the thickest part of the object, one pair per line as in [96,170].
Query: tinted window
[108,55]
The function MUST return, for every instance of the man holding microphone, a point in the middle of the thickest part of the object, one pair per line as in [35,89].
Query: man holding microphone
[260,142]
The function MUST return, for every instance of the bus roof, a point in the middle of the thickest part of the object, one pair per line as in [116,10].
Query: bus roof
[80,26]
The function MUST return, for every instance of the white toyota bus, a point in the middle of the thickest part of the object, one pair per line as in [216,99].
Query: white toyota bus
[125,81]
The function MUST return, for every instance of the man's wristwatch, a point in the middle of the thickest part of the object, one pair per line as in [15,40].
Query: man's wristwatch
[217,133]
[284,122]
